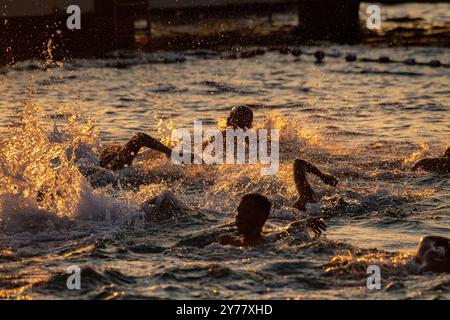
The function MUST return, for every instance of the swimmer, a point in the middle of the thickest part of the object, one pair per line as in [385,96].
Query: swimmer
[118,157]
[435,63]
[253,211]
[296,52]
[384,59]
[306,193]
[319,55]
[410,61]
[433,254]
[284,50]
[437,165]
[350,57]
[100,170]
[252,53]
[241,117]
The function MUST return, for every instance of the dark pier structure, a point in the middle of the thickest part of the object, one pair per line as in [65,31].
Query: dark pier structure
[40,31]
[37,29]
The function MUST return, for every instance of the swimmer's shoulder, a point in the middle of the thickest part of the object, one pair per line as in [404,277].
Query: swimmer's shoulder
[204,238]
[440,165]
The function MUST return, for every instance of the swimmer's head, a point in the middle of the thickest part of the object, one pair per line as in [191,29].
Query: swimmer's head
[253,212]
[433,247]
[240,117]
[319,55]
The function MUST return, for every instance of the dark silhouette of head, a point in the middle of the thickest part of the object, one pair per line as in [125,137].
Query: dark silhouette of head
[253,211]
[240,117]
[350,57]
[384,59]
[435,63]
[434,254]
[447,152]
[319,55]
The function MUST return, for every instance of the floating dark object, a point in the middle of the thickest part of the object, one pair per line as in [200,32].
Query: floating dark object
[284,50]
[296,52]
[319,55]
[252,53]
[384,59]
[435,63]
[350,57]
[410,62]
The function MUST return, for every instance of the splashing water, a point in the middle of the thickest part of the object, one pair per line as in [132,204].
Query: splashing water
[39,170]
[417,155]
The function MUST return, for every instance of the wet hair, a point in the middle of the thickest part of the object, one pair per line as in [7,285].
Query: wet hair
[240,117]
[447,152]
[253,211]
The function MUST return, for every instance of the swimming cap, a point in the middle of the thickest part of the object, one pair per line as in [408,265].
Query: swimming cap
[240,117]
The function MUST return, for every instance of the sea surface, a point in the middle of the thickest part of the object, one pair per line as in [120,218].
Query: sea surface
[364,122]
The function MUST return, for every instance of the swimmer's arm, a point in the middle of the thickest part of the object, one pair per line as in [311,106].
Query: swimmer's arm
[144,140]
[317,225]
[309,167]
[118,157]
[326,178]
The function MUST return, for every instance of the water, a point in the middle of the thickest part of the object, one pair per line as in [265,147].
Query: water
[366,123]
